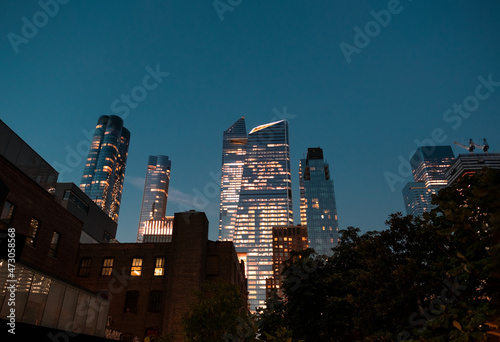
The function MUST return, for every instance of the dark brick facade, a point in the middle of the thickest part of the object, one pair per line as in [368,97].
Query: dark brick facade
[33,201]
[190,260]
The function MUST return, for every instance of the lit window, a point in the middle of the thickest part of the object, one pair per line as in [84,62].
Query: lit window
[32,233]
[160,266]
[107,266]
[54,244]
[136,268]
[85,264]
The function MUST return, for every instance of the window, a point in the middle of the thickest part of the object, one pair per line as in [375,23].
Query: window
[7,212]
[107,266]
[32,232]
[70,196]
[136,268]
[131,301]
[155,301]
[160,267]
[54,244]
[85,264]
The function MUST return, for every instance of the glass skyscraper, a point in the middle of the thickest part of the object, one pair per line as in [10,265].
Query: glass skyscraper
[429,165]
[318,209]
[265,201]
[104,170]
[233,157]
[154,200]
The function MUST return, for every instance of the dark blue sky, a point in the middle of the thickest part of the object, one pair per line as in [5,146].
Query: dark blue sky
[400,86]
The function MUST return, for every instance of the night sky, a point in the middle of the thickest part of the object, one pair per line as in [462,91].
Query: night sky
[364,90]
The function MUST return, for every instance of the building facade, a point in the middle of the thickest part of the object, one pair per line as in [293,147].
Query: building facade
[104,171]
[46,237]
[318,209]
[285,240]
[468,164]
[152,285]
[234,143]
[265,201]
[417,198]
[154,200]
[429,166]
[158,230]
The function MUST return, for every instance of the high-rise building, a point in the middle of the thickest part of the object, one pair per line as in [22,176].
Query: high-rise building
[104,170]
[468,164]
[418,198]
[285,240]
[154,200]
[318,209]
[233,157]
[158,230]
[265,201]
[429,165]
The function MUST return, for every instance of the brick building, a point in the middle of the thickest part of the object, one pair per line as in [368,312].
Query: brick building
[285,240]
[151,285]
[46,245]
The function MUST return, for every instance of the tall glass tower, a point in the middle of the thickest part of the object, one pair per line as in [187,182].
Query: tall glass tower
[318,209]
[104,171]
[429,165]
[233,157]
[154,200]
[265,202]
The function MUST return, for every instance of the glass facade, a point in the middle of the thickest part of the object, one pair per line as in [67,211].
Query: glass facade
[418,198]
[265,201]
[104,170]
[429,165]
[233,157]
[154,200]
[318,209]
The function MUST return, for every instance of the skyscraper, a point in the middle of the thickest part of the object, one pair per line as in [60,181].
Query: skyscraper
[233,157]
[265,201]
[154,200]
[104,170]
[318,209]
[429,165]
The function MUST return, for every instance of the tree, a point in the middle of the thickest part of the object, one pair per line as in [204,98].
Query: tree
[217,314]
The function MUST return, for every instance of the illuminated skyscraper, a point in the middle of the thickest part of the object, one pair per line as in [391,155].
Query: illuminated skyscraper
[429,165]
[104,170]
[318,209]
[233,157]
[154,200]
[265,202]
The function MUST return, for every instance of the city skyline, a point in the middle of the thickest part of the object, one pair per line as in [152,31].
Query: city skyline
[178,76]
